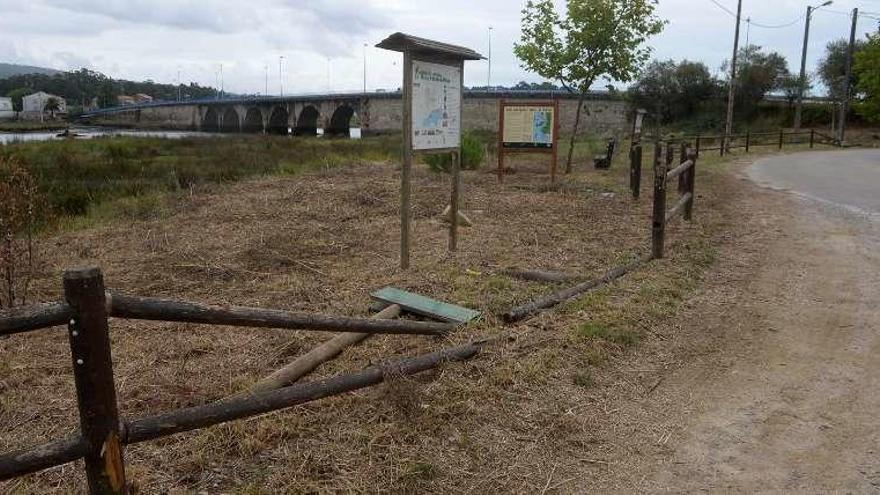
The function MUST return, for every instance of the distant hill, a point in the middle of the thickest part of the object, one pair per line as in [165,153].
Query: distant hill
[9,70]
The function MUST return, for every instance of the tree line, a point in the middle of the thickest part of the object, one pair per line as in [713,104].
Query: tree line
[83,86]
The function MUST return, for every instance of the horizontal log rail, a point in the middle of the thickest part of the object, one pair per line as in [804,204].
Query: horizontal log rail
[142,308]
[73,447]
[677,171]
[679,207]
[34,318]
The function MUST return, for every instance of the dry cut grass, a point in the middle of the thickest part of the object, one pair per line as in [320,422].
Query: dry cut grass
[515,419]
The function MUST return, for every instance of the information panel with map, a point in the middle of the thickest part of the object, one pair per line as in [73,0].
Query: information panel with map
[436,106]
[528,126]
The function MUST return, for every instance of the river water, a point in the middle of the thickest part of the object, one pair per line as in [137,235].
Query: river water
[94,132]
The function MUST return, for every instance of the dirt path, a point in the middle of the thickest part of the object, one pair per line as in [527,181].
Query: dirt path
[779,394]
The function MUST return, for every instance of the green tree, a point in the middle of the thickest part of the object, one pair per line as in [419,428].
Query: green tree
[832,67]
[759,73]
[790,86]
[867,68]
[52,106]
[17,95]
[594,39]
[672,91]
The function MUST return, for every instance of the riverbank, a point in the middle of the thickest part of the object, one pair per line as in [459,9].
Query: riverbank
[28,126]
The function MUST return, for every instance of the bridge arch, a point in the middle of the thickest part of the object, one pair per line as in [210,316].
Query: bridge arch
[211,121]
[340,122]
[278,121]
[231,121]
[307,122]
[253,121]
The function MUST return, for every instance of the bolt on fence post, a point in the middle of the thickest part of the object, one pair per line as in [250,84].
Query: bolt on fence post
[658,226]
[635,171]
[89,337]
[691,179]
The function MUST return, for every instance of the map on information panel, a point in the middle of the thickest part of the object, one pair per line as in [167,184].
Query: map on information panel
[436,111]
[528,126]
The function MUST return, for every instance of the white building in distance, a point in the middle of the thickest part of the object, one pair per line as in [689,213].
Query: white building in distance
[6,111]
[34,105]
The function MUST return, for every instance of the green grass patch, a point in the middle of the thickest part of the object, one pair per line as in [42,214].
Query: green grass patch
[614,334]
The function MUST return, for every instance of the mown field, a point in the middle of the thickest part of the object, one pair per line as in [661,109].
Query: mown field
[313,226]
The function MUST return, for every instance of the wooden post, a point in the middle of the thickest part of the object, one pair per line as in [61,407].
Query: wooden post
[555,155]
[723,144]
[670,154]
[453,212]
[93,373]
[658,228]
[405,172]
[812,138]
[501,141]
[682,179]
[698,144]
[635,171]
[781,138]
[748,140]
[691,179]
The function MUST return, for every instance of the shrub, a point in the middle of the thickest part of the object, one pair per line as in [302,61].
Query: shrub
[19,204]
[472,153]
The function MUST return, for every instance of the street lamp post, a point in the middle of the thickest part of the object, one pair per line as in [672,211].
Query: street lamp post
[489,59]
[802,81]
[281,76]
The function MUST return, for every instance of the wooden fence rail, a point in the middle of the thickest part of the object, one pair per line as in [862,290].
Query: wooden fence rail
[102,434]
[685,172]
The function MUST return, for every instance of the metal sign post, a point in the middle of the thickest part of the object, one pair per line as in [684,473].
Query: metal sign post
[433,82]
[528,127]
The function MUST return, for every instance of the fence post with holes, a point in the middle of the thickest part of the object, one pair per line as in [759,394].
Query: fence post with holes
[682,179]
[89,337]
[658,226]
[691,179]
[635,170]
[812,138]
[781,138]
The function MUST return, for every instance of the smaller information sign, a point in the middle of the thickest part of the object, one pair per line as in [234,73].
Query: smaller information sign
[529,126]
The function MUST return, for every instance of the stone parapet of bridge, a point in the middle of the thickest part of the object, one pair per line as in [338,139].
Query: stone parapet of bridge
[336,114]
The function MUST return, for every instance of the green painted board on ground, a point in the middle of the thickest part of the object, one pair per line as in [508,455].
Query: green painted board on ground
[425,306]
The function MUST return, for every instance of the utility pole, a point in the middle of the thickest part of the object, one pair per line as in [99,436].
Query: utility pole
[728,128]
[365,68]
[281,76]
[489,58]
[847,94]
[178,84]
[222,86]
[802,82]
[266,68]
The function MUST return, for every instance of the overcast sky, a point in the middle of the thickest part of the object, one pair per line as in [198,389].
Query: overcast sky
[322,41]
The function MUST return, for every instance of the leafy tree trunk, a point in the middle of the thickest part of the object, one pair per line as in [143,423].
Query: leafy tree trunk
[577,123]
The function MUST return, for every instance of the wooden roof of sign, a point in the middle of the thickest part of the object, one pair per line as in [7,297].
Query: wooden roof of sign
[421,47]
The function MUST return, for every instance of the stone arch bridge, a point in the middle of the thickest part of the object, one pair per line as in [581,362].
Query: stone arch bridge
[337,114]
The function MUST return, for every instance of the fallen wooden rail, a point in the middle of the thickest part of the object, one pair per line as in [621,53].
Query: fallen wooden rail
[528,309]
[141,308]
[141,430]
